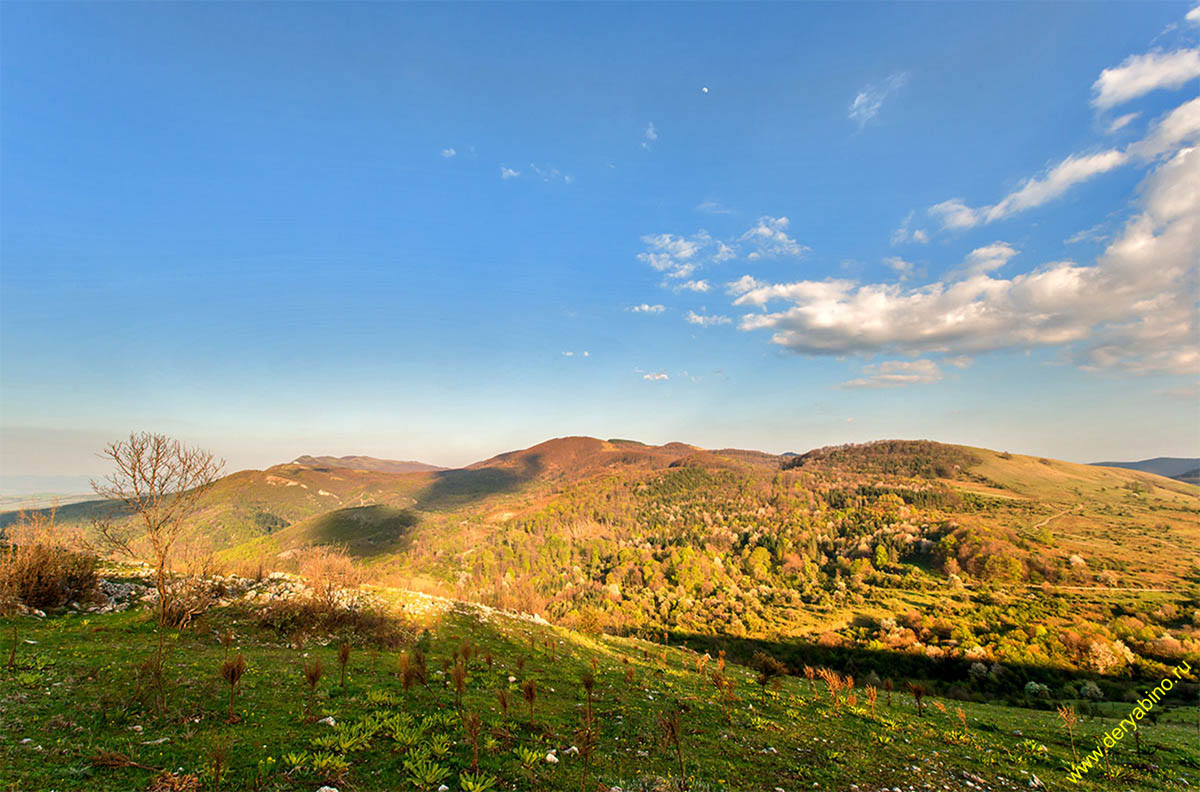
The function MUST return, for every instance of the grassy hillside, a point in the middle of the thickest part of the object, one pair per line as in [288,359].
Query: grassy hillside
[948,556]
[78,714]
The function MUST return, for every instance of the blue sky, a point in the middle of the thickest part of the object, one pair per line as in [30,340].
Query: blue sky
[440,232]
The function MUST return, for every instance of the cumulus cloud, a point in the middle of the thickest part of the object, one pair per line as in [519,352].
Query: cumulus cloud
[1193,16]
[1133,309]
[895,374]
[1140,74]
[869,101]
[679,257]
[448,152]
[647,308]
[508,173]
[655,376]
[675,256]
[989,257]
[706,320]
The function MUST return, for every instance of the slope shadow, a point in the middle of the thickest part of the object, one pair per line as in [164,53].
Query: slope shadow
[83,511]
[453,488]
[366,531]
[949,676]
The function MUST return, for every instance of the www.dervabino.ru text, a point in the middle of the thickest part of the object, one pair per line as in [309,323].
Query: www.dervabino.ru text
[1128,724]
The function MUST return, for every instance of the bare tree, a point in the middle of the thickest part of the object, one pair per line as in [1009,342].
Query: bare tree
[160,481]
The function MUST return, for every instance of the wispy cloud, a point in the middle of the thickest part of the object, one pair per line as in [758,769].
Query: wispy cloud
[508,173]
[649,137]
[656,376]
[583,354]
[869,101]
[1140,74]
[903,268]
[549,174]
[905,233]
[647,308]
[1075,169]
[713,207]
[694,285]
[896,374]
[448,152]
[1118,124]
[1093,234]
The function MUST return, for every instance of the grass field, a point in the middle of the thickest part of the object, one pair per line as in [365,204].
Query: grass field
[75,715]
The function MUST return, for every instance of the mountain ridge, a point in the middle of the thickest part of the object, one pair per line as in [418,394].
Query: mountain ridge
[360,462]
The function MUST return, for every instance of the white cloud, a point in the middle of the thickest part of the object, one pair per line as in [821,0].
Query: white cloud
[1179,127]
[869,101]
[1137,75]
[954,214]
[1140,74]
[905,233]
[903,268]
[448,152]
[649,137]
[656,376]
[549,174]
[1193,16]
[989,257]
[677,256]
[896,373]
[713,207]
[508,173]
[769,237]
[1093,234]
[1071,171]
[1122,122]
[1133,309]
[706,320]
[743,284]
[647,308]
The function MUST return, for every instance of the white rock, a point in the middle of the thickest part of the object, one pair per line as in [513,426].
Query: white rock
[328,721]
[328,789]
[551,758]
[443,788]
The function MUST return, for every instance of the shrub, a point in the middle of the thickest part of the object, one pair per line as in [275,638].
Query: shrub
[37,570]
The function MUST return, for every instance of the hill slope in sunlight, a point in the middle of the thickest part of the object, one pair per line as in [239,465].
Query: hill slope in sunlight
[936,551]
